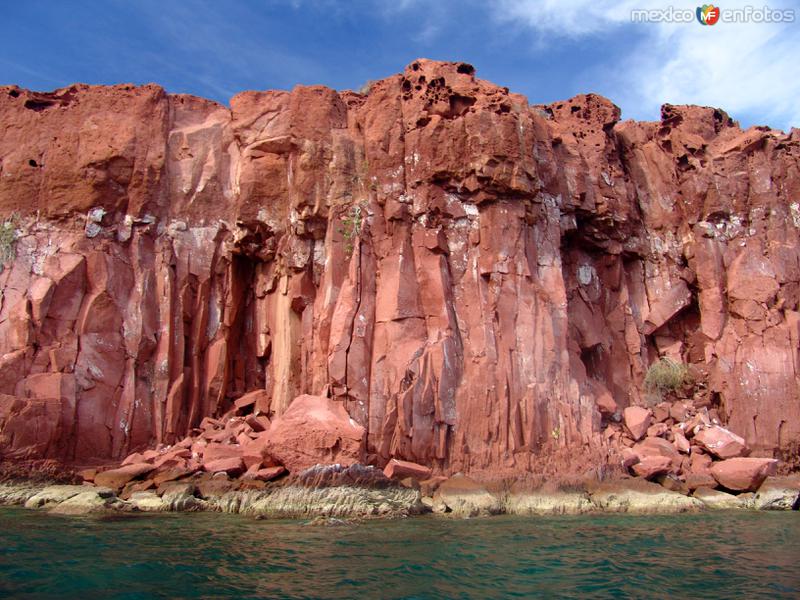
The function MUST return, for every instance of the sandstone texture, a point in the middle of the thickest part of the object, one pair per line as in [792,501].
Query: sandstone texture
[436,272]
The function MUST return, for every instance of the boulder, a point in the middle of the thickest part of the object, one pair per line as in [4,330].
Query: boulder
[673,483]
[217,451]
[721,442]
[210,486]
[258,399]
[779,493]
[232,466]
[54,494]
[629,458]
[637,420]
[148,502]
[428,487]
[652,465]
[657,430]
[720,500]
[222,437]
[87,502]
[255,451]
[252,457]
[174,454]
[132,487]
[181,497]
[134,458]
[116,478]
[210,424]
[315,430]
[661,412]
[87,475]
[250,399]
[698,480]
[606,404]
[400,469]
[680,442]
[257,423]
[170,474]
[743,474]
[696,423]
[265,474]
[700,463]
[464,497]
[658,447]
[678,411]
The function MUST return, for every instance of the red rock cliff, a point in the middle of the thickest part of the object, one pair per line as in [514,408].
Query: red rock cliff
[467,273]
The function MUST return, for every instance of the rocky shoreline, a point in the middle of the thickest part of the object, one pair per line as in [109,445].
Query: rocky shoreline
[309,464]
[357,492]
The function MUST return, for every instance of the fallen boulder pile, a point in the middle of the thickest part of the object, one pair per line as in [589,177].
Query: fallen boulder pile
[686,448]
[243,449]
[310,461]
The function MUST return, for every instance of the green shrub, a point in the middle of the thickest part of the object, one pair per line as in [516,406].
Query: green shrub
[8,239]
[666,375]
[351,226]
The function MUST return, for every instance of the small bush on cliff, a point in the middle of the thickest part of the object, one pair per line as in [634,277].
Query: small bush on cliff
[351,226]
[666,375]
[8,239]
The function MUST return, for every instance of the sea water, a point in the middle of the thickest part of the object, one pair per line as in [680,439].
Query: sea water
[207,555]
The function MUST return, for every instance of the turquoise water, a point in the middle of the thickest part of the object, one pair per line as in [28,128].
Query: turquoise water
[710,555]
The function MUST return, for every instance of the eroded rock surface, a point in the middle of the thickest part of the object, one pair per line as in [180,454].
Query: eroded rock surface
[478,283]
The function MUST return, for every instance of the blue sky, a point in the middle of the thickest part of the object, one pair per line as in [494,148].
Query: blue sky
[548,50]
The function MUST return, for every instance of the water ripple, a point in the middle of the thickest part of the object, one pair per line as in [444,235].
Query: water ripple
[710,555]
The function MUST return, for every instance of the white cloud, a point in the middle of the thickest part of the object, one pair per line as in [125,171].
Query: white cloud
[568,19]
[748,69]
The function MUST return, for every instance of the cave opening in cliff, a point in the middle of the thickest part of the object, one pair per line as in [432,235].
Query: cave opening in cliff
[595,361]
[245,368]
[680,336]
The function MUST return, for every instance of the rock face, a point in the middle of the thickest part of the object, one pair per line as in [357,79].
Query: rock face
[469,278]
